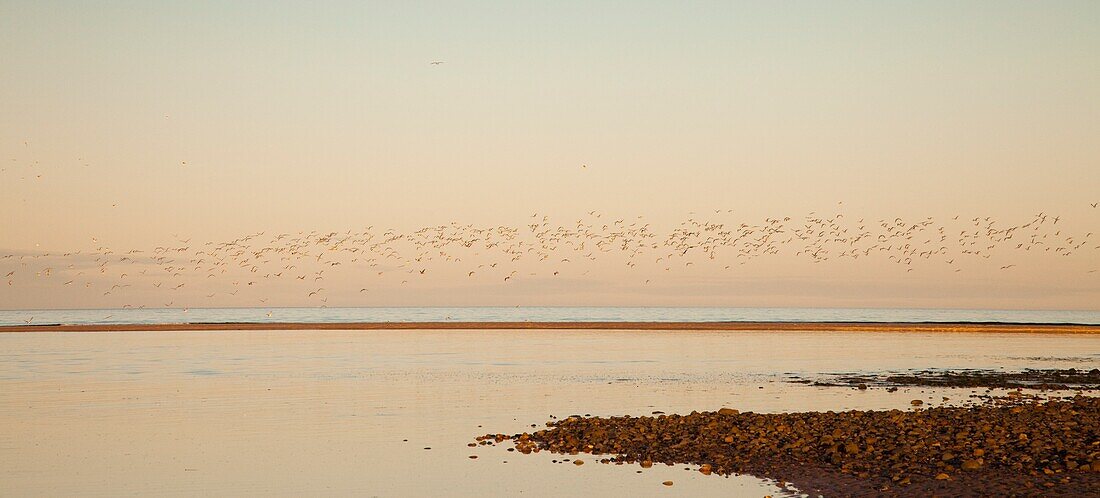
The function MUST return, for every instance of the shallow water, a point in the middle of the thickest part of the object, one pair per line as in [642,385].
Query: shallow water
[327,412]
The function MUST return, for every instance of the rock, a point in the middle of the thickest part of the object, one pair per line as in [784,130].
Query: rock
[578,462]
[728,411]
[473,457]
[961,446]
[667,483]
[916,402]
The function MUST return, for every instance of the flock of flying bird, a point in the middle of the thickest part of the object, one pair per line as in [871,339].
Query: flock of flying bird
[541,248]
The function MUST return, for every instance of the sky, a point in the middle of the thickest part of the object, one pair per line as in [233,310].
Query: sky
[133,125]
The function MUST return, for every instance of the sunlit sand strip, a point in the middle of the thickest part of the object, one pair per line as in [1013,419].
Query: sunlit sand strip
[1027,328]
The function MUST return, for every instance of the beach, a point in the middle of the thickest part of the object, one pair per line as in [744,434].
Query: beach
[337,412]
[480,249]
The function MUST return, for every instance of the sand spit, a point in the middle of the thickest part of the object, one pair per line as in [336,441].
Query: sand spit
[999,449]
[1028,328]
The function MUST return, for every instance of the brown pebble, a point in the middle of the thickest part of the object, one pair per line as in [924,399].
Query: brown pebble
[916,402]
[946,450]
[578,462]
[667,483]
[473,457]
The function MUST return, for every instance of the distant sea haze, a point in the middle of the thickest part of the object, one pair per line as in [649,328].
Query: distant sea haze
[532,314]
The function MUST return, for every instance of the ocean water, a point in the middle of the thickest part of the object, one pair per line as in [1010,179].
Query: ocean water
[533,314]
[346,413]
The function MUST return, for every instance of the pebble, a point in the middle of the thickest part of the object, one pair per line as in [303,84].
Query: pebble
[971,465]
[1004,446]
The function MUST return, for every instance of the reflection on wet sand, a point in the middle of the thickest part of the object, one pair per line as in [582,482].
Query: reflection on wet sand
[338,412]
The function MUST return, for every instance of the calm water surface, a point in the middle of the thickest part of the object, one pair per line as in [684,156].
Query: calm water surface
[535,314]
[328,412]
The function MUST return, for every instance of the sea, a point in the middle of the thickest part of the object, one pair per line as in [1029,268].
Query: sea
[392,412]
[536,314]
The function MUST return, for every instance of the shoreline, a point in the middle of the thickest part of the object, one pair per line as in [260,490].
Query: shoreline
[1018,447]
[917,327]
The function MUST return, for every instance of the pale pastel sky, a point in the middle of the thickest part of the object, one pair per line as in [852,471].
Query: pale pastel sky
[133,125]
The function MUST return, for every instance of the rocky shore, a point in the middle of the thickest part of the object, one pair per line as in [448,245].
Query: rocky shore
[1048,379]
[1023,448]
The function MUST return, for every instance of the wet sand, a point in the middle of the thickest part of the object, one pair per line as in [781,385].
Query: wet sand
[1000,328]
[330,412]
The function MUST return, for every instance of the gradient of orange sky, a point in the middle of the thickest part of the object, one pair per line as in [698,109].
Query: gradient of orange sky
[132,123]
